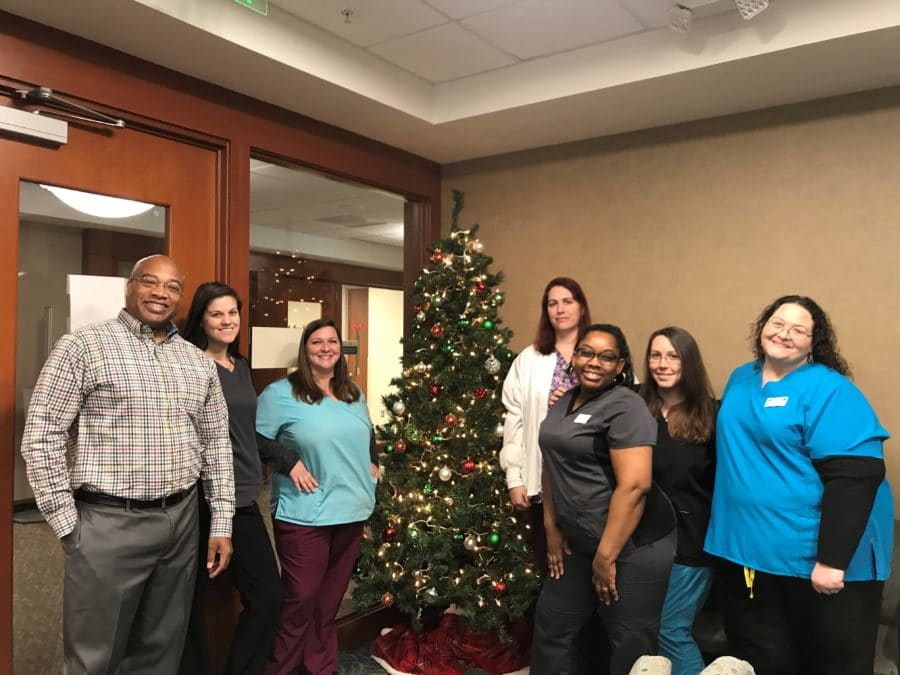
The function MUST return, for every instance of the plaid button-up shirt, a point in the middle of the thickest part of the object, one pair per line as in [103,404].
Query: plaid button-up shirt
[114,411]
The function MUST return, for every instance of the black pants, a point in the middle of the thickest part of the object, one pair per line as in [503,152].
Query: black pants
[632,622]
[788,628]
[255,576]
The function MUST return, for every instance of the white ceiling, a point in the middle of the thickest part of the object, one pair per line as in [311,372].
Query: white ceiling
[456,79]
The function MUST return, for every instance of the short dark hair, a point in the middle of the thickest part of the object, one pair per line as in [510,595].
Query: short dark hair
[824,347]
[304,384]
[545,341]
[626,377]
[694,418]
[193,325]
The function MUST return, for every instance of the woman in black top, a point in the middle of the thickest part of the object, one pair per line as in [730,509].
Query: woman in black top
[677,391]
[213,323]
[610,530]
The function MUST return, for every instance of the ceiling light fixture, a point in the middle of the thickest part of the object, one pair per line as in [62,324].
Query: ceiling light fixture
[100,206]
[680,18]
[750,8]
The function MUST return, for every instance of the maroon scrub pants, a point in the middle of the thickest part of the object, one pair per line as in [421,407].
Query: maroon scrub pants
[316,565]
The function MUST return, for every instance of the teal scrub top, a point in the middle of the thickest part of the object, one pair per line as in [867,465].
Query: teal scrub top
[767,494]
[332,440]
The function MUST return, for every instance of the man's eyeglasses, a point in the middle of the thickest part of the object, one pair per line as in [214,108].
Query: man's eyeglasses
[796,332]
[150,282]
[588,354]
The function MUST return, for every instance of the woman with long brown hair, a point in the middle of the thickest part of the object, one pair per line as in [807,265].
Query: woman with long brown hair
[320,413]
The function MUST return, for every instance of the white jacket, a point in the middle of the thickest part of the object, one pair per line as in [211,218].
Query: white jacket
[526,391]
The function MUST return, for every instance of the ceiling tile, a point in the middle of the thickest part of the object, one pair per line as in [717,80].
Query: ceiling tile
[372,21]
[651,13]
[443,53]
[538,27]
[460,9]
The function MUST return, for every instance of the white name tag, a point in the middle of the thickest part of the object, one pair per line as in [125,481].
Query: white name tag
[776,401]
[582,419]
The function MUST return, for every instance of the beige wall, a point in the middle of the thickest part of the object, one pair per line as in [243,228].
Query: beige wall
[703,224]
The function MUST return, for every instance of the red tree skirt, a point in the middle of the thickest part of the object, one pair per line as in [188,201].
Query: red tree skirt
[450,648]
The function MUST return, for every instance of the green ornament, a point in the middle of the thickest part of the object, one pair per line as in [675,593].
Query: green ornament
[413,434]
[457,536]
[413,533]
[428,489]
[389,448]
[499,298]
[448,348]
[437,439]
[464,323]
[437,300]
[493,538]
[487,324]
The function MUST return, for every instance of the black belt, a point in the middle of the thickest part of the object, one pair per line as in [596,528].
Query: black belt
[124,503]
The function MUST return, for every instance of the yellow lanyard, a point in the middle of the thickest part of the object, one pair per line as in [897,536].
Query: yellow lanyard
[749,576]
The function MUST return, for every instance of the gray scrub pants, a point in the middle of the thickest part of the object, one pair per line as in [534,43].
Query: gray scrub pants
[129,580]
[632,622]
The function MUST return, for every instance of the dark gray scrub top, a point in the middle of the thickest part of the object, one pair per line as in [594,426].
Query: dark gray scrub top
[576,447]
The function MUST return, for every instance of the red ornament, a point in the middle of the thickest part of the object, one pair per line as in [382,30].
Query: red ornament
[387,599]
[437,330]
[389,532]
[435,389]
[437,257]
[481,288]
[481,392]
[417,308]
[499,587]
[400,447]
[450,419]
[468,466]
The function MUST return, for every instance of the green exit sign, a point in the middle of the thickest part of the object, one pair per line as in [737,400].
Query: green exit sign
[259,6]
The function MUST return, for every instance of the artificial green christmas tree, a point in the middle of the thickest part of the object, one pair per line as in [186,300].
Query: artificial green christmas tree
[443,532]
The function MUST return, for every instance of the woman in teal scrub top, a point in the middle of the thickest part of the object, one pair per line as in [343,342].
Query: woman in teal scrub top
[321,414]
[802,515]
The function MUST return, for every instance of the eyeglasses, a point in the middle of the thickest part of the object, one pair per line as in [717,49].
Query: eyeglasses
[795,332]
[656,357]
[588,354]
[150,282]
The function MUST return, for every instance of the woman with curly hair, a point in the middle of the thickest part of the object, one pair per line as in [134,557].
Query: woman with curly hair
[802,515]
[610,529]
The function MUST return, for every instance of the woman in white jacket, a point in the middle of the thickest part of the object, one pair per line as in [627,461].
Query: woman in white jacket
[537,378]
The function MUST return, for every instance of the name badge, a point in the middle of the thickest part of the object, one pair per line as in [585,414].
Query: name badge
[582,418]
[776,401]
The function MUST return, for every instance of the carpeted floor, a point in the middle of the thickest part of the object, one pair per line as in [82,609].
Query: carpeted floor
[37,607]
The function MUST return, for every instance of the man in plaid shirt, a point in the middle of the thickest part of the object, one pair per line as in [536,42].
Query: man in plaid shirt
[124,418]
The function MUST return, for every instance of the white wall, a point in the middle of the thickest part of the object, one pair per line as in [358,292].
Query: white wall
[385,350]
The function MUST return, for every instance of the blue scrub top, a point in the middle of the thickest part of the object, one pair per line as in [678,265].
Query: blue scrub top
[767,495]
[332,440]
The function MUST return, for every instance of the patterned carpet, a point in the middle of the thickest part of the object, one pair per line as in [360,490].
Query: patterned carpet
[37,608]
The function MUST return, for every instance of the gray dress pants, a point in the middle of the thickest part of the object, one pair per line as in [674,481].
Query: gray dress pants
[129,580]
[632,622]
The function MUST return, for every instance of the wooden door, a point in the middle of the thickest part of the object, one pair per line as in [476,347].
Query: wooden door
[181,176]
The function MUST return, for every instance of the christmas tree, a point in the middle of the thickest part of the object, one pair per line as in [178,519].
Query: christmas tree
[443,532]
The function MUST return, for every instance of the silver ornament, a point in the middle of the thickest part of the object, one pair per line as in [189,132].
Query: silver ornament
[420,367]
[498,431]
[476,245]
[445,473]
[470,543]
[492,365]
[420,317]
[399,407]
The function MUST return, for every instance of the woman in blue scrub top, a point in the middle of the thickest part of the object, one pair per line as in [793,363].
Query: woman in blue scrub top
[321,414]
[802,515]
